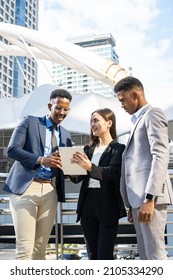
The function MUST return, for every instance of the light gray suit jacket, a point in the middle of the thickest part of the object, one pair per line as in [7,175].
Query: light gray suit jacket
[145,160]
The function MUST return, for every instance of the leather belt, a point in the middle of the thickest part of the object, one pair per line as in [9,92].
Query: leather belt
[41,180]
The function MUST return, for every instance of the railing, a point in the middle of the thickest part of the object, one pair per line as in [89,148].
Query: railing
[126,245]
[66,231]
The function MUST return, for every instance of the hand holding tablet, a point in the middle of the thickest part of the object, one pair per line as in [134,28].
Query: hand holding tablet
[68,164]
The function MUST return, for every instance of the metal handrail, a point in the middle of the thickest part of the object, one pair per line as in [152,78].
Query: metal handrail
[119,235]
[65,212]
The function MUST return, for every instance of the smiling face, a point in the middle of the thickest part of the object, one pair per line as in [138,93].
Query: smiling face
[59,108]
[99,126]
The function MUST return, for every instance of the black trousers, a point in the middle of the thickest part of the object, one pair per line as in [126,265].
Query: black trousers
[99,238]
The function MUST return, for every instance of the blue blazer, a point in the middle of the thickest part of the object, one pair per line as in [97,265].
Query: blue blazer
[26,145]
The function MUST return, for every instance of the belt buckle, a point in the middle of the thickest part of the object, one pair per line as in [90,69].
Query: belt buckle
[40,180]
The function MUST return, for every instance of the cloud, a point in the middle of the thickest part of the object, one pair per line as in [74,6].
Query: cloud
[142,43]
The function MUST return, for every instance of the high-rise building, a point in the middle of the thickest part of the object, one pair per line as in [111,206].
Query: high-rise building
[18,75]
[74,81]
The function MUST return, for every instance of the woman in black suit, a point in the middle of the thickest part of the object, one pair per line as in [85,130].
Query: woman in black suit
[100,205]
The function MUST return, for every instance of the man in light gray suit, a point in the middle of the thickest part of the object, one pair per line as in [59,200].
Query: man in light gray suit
[145,185]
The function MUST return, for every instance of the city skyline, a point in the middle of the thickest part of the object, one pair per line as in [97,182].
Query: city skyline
[78,82]
[18,74]
[142,30]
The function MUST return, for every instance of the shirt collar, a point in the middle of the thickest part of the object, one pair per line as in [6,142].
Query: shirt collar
[136,115]
[49,123]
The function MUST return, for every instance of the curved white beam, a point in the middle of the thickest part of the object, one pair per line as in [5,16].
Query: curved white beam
[62,52]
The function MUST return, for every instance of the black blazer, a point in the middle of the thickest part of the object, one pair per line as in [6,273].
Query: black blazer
[108,172]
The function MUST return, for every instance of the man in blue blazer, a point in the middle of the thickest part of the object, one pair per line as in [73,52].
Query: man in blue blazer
[33,192]
[145,185]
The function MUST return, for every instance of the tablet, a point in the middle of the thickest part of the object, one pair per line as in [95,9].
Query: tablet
[70,167]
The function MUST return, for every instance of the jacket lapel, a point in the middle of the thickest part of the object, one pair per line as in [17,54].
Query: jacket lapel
[91,151]
[106,152]
[135,125]
[62,137]
[42,130]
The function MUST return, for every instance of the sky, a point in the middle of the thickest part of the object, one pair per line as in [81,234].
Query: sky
[143,31]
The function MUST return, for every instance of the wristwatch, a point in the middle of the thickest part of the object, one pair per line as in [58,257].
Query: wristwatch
[149,197]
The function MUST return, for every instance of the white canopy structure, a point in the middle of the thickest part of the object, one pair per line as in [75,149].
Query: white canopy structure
[27,42]
[32,43]
[14,109]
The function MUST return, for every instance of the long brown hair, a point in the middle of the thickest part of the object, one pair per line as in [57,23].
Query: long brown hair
[107,114]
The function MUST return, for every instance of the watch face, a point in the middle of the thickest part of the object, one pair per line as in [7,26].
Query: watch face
[149,196]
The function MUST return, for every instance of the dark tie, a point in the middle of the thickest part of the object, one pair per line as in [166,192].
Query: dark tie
[53,139]
[54,148]
[57,174]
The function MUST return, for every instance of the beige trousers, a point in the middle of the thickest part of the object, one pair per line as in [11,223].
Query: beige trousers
[33,215]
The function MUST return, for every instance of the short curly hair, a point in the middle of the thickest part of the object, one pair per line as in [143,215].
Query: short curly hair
[60,93]
[128,83]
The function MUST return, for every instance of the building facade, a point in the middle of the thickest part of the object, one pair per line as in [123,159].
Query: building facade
[18,75]
[103,45]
